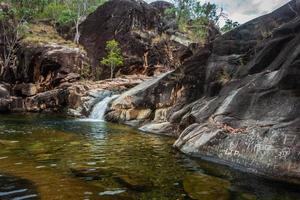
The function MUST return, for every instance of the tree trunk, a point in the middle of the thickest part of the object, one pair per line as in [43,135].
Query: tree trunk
[77,34]
[112,72]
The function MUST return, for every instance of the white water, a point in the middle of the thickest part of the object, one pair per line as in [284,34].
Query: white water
[99,109]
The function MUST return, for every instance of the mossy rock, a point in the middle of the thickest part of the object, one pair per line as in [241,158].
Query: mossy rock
[203,187]
[134,182]
[8,144]
[37,148]
[245,196]
[90,174]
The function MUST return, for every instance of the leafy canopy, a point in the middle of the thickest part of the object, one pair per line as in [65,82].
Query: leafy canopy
[229,25]
[59,11]
[114,56]
[199,19]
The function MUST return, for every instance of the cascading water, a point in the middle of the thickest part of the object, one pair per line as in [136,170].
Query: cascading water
[99,109]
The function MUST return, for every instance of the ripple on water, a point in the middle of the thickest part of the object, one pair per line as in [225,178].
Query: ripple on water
[112,192]
[92,159]
[14,188]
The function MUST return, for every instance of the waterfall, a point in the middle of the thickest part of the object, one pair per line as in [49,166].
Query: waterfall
[99,109]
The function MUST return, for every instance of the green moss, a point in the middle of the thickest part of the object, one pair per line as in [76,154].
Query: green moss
[203,187]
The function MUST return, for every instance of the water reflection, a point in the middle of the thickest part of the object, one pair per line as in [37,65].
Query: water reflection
[75,159]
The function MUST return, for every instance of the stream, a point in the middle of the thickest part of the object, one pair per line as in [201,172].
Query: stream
[54,157]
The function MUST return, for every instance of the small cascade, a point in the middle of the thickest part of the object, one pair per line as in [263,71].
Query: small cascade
[99,109]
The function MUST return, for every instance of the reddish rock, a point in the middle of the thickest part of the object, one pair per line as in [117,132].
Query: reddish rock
[137,26]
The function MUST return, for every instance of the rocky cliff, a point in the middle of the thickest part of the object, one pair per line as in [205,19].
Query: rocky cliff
[51,73]
[140,28]
[236,101]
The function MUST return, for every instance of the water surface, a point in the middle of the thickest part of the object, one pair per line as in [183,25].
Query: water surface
[53,157]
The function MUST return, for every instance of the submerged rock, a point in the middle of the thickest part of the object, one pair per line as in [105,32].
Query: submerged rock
[91,173]
[134,182]
[17,188]
[205,187]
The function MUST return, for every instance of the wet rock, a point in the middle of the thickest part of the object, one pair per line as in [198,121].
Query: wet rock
[205,187]
[5,99]
[131,102]
[164,128]
[4,93]
[17,104]
[91,173]
[246,196]
[134,182]
[17,188]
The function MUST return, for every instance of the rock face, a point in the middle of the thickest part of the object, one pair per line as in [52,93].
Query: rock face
[49,70]
[48,77]
[5,99]
[236,101]
[138,27]
[46,63]
[73,98]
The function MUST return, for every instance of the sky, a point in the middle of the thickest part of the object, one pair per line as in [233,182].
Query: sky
[245,10]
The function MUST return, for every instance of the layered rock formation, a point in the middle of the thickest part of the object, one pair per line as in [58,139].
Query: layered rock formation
[49,70]
[46,64]
[139,28]
[236,101]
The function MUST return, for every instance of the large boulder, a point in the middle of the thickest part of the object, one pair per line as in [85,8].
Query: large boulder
[5,99]
[47,59]
[236,101]
[137,26]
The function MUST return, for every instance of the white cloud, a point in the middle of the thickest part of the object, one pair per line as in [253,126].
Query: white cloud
[245,10]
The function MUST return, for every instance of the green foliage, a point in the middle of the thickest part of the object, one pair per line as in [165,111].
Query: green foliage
[66,16]
[229,25]
[28,8]
[61,11]
[114,56]
[2,15]
[52,11]
[198,19]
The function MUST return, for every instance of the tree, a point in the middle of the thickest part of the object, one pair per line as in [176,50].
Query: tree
[26,9]
[229,25]
[114,56]
[13,31]
[76,11]
[200,20]
[59,11]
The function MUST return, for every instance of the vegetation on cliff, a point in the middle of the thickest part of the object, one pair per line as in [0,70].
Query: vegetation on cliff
[114,56]
[200,20]
[59,13]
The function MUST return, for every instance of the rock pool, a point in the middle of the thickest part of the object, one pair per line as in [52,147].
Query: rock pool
[53,157]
